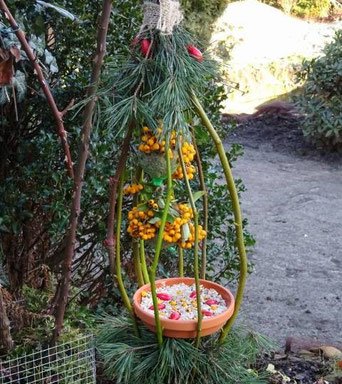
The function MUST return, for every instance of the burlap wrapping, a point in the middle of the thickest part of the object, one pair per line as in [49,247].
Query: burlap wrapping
[164,16]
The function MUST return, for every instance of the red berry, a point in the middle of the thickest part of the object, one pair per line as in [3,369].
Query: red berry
[211,302]
[164,296]
[193,294]
[160,306]
[206,313]
[195,53]
[145,47]
[174,316]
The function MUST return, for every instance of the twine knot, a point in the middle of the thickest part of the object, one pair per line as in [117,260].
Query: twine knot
[163,16]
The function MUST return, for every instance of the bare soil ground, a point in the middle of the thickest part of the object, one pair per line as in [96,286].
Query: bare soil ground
[294,206]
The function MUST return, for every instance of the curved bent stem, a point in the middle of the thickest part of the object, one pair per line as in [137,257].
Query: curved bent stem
[236,211]
[137,264]
[119,279]
[143,261]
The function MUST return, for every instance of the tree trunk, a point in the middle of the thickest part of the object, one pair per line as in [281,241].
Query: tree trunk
[6,341]
[80,168]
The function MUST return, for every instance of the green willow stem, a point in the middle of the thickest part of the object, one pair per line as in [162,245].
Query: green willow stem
[236,211]
[119,279]
[180,262]
[137,263]
[196,266]
[122,289]
[135,245]
[143,261]
[153,269]
[205,206]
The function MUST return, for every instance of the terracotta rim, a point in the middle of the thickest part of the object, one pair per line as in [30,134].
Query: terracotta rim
[213,323]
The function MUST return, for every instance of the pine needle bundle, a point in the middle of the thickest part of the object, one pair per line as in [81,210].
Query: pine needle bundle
[130,359]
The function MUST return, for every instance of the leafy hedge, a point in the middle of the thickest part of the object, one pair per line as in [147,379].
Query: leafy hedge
[200,15]
[321,97]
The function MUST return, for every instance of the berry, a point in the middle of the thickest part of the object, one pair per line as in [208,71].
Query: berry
[195,53]
[145,47]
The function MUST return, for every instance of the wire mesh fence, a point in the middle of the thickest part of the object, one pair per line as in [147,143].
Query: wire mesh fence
[67,363]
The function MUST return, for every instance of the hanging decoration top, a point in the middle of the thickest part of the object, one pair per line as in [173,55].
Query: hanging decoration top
[163,15]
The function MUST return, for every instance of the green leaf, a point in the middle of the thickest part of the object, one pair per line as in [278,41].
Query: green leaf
[185,232]
[154,220]
[198,194]
[173,212]
[142,207]
[158,181]
[60,10]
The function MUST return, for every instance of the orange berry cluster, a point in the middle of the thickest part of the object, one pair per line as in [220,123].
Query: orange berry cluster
[173,231]
[188,152]
[139,227]
[133,189]
[190,172]
[151,144]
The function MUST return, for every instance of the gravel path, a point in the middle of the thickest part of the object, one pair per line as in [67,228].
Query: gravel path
[294,206]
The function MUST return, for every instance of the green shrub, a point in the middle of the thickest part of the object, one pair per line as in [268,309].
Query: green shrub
[312,8]
[321,98]
[303,8]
